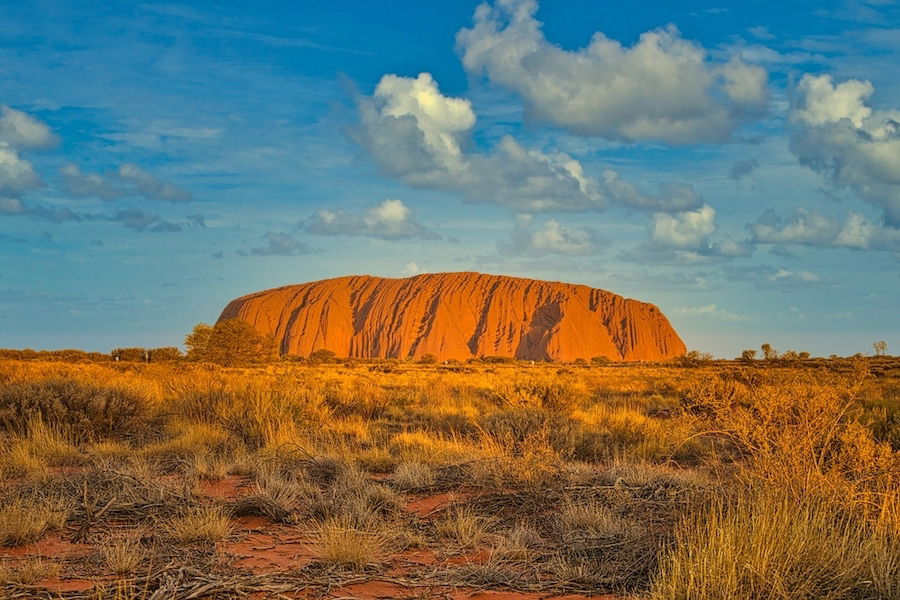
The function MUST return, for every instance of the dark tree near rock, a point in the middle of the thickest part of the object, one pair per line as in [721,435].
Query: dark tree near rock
[230,342]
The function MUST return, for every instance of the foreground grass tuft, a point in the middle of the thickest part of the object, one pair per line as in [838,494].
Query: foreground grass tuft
[339,542]
[765,545]
[204,524]
[22,522]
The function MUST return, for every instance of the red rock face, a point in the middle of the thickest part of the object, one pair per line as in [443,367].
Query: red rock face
[458,316]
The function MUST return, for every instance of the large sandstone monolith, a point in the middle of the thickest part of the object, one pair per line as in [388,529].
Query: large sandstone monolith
[458,316]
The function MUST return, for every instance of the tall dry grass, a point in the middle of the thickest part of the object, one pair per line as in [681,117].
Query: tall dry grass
[607,466]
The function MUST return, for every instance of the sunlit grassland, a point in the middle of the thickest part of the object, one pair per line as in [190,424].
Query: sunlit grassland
[719,481]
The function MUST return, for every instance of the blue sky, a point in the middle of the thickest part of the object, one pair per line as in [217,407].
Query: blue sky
[737,164]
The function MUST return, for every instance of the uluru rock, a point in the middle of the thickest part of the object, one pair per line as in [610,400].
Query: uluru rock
[458,316]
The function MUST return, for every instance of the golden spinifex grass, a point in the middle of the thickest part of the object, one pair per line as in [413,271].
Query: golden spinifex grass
[711,482]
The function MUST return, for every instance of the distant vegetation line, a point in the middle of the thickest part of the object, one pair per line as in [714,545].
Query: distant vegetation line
[233,342]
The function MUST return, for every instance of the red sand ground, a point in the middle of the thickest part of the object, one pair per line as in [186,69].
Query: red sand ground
[260,546]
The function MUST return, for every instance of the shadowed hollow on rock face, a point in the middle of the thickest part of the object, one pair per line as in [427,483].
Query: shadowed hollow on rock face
[457,316]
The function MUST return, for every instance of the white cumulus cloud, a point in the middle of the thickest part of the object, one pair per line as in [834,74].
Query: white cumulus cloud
[419,135]
[550,237]
[19,132]
[22,131]
[813,228]
[662,88]
[836,133]
[685,238]
[687,230]
[389,220]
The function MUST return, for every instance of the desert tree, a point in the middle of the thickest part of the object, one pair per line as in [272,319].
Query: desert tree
[748,355]
[790,355]
[428,359]
[321,356]
[769,353]
[230,342]
[880,348]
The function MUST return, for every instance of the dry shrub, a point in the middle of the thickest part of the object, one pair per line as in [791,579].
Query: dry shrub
[547,393]
[768,545]
[202,524]
[87,410]
[799,433]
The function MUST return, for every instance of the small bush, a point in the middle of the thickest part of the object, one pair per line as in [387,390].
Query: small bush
[86,410]
[321,356]
[428,359]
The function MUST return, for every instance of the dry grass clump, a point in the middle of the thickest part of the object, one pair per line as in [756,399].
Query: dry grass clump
[430,448]
[186,441]
[463,527]
[376,460]
[201,524]
[592,519]
[522,543]
[623,432]
[122,555]
[39,447]
[552,393]
[25,520]
[767,545]
[331,489]
[600,548]
[413,476]
[341,542]
[29,572]
[261,412]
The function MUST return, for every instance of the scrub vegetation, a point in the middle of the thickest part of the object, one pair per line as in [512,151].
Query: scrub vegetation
[693,480]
